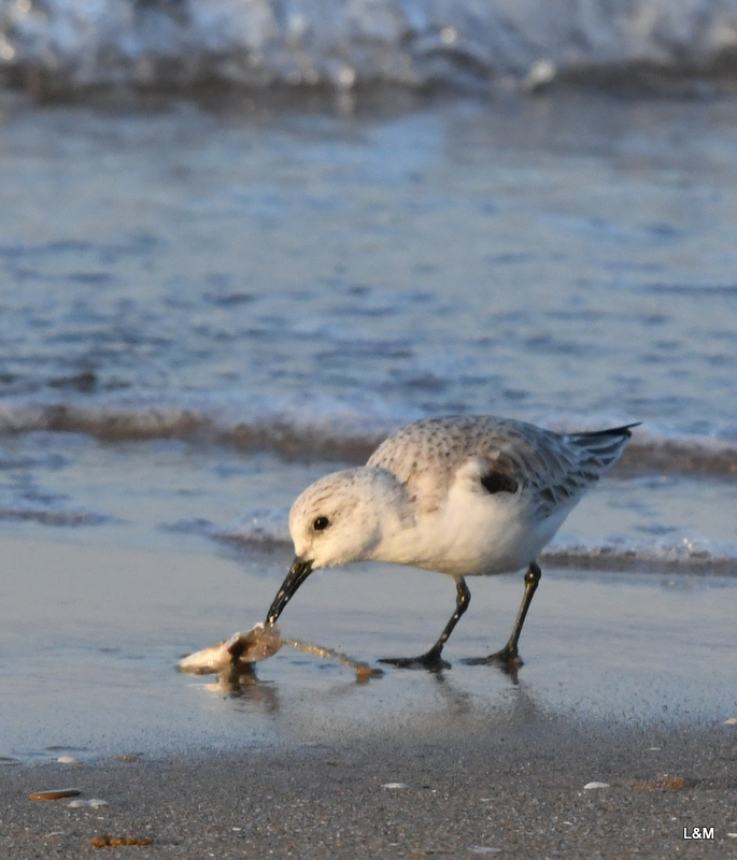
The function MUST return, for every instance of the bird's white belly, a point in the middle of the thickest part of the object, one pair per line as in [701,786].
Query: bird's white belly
[484,536]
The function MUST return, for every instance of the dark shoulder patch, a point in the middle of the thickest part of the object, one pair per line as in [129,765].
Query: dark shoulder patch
[498,482]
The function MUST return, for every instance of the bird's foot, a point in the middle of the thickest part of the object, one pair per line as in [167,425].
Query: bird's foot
[431,661]
[508,660]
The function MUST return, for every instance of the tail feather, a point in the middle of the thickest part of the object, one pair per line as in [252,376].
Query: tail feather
[624,430]
[599,450]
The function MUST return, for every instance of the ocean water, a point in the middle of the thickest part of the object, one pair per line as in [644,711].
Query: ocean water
[220,305]
[206,303]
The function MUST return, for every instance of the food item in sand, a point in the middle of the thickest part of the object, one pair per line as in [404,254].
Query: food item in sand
[242,649]
[55,794]
[363,670]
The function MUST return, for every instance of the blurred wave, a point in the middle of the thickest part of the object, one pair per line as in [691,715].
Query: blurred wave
[59,46]
[328,429]
[43,516]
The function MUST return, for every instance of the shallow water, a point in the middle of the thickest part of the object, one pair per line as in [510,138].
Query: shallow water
[203,308]
[89,642]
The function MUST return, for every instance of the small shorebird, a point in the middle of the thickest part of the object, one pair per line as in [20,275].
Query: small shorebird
[465,496]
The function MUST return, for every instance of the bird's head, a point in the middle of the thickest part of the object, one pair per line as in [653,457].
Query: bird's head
[343,517]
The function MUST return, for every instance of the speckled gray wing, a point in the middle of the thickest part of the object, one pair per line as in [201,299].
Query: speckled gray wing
[549,469]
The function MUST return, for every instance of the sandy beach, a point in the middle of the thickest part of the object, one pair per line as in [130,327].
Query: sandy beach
[300,762]
[514,790]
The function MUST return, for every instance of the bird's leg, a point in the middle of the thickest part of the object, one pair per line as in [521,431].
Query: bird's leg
[432,659]
[509,657]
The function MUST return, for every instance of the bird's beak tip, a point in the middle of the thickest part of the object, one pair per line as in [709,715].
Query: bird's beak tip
[298,572]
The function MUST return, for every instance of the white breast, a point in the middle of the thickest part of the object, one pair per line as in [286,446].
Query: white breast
[477,533]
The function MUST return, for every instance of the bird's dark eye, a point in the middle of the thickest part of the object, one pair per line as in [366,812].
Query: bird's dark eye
[320,524]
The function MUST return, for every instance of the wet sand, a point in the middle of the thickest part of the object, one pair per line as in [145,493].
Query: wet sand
[519,790]
[629,678]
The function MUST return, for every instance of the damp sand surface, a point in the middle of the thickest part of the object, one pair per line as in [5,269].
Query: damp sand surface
[628,680]
[515,787]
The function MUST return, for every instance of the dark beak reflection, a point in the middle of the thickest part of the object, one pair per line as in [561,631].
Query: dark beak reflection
[298,573]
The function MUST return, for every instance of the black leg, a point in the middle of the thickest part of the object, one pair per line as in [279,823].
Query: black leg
[509,655]
[432,659]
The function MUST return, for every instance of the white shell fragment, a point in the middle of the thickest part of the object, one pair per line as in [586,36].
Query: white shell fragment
[93,803]
[540,75]
[732,721]
[67,759]
[394,785]
[590,785]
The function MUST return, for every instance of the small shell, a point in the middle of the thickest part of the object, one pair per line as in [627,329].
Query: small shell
[93,803]
[590,785]
[55,794]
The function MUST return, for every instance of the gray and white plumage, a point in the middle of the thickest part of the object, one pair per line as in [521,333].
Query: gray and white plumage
[466,496]
[550,468]
[463,495]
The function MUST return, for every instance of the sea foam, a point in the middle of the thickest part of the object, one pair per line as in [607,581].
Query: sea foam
[63,45]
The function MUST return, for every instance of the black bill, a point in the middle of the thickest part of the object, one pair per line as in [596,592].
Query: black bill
[298,573]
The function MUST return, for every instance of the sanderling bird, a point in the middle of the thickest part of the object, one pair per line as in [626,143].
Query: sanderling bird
[461,495]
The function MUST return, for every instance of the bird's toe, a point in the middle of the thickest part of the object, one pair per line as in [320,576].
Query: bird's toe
[506,660]
[431,661]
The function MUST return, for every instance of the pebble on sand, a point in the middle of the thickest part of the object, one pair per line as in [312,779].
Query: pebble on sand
[93,803]
[590,785]
[666,782]
[55,794]
[67,759]
[104,840]
[394,785]
[732,721]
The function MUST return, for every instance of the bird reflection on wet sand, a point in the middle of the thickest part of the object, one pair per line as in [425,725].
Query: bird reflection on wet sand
[513,702]
[237,682]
